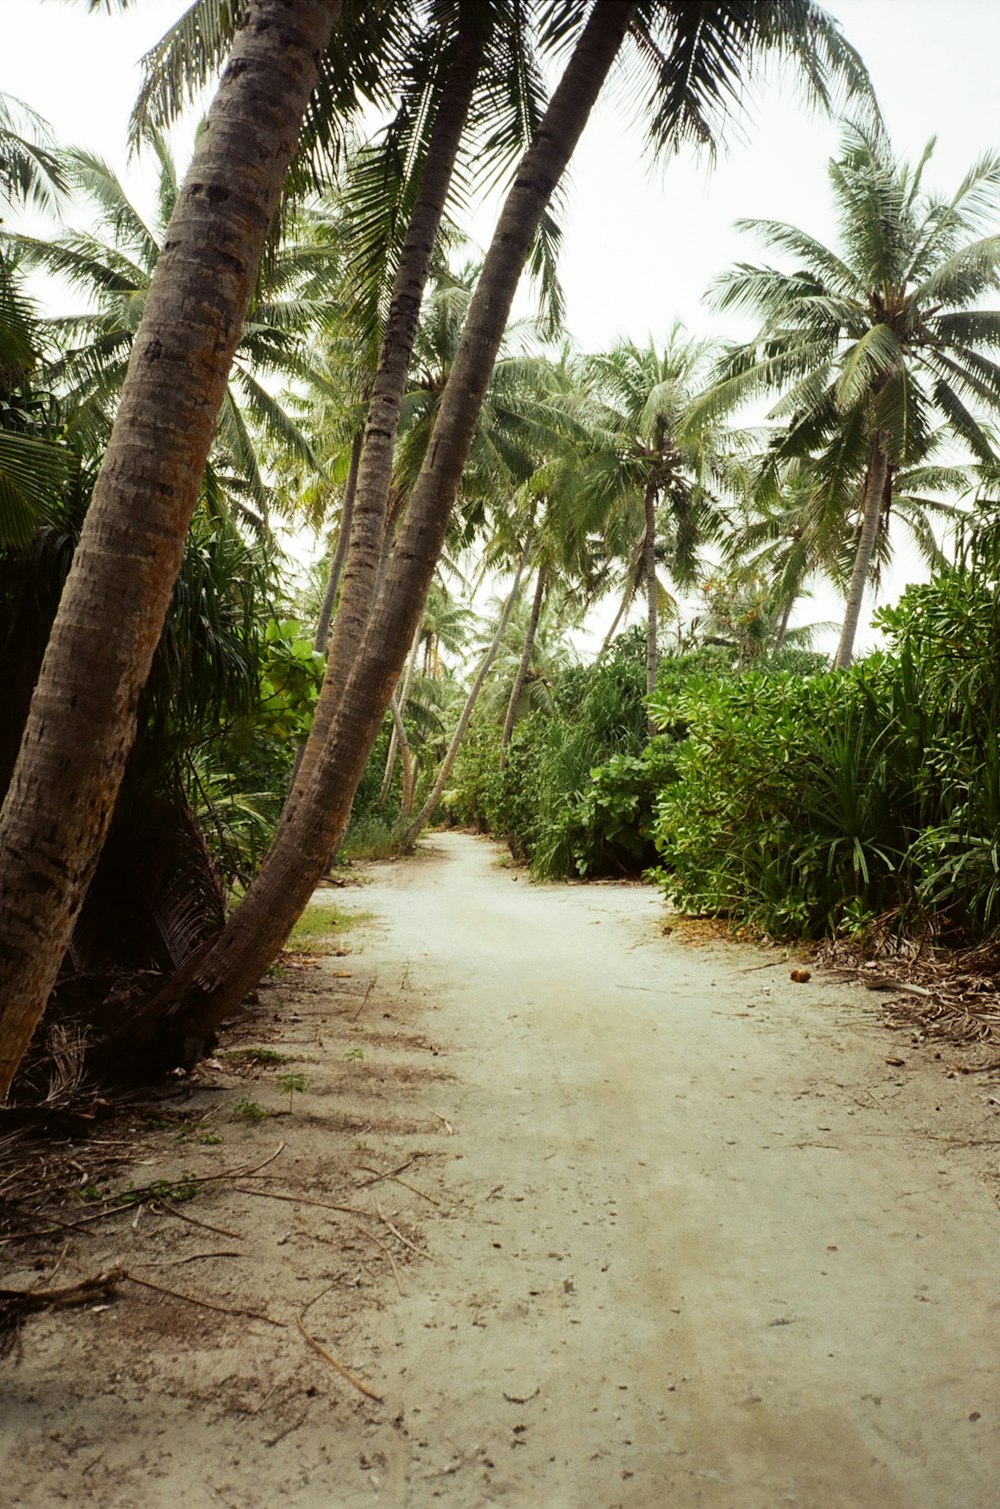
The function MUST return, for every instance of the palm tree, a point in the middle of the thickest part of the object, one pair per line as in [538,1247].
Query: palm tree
[875,344]
[112,267]
[83,713]
[698,54]
[33,467]
[646,469]
[790,528]
[142,511]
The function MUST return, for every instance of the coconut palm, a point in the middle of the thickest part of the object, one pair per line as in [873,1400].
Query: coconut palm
[112,265]
[647,471]
[789,528]
[701,56]
[877,343]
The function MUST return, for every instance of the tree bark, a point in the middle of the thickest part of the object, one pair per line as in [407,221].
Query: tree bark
[340,553]
[362,572]
[649,574]
[183,1017]
[427,810]
[623,607]
[873,501]
[405,757]
[522,667]
[395,741]
[83,716]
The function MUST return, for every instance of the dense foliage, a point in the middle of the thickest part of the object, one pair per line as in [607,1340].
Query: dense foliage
[805,804]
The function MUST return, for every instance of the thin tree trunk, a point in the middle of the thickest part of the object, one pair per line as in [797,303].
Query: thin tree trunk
[876,481]
[649,574]
[404,697]
[783,626]
[522,667]
[622,609]
[362,574]
[406,758]
[340,553]
[183,1017]
[427,810]
[83,716]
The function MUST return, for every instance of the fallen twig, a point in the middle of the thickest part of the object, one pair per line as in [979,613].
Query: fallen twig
[400,1237]
[389,1173]
[193,1257]
[203,1304]
[338,1366]
[396,1180]
[158,1208]
[364,1003]
[274,1194]
[15,1304]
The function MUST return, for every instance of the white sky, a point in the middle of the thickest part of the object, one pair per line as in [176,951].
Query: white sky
[641,242]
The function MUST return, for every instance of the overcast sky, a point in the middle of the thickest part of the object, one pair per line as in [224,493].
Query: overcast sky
[642,241]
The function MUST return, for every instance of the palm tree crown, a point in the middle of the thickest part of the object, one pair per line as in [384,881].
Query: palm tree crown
[878,344]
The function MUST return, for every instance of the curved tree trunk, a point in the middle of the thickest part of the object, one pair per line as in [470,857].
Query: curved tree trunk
[622,610]
[427,810]
[340,553]
[522,667]
[779,638]
[395,742]
[649,575]
[183,1017]
[363,569]
[876,482]
[82,722]
[406,758]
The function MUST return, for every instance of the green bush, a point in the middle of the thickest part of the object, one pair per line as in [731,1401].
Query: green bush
[805,804]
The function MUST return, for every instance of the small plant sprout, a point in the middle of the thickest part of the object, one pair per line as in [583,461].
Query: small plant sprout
[354,1055]
[248,1111]
[289,1083]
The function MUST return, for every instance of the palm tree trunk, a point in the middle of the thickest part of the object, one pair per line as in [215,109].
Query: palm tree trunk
[622,609]
[406,758]
[182,1019]
[394,742]
[649,574]
[522,668]
[339,554]
[363,569]
[82,721]
[779,638]
[876,481]
[427,810]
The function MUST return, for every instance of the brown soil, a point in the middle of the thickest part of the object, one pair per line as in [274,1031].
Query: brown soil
[632,1220]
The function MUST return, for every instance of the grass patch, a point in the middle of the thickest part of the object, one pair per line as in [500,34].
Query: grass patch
[372,836]
[254,1056]
[321,923]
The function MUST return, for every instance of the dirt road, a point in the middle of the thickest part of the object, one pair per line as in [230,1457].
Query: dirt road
[689,1241]
[708,1256]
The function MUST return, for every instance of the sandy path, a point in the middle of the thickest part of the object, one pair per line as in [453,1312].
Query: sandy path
[691,1241]
[718,1270]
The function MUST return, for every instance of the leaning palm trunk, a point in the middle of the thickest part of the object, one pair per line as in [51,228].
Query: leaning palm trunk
[395,741]
[182,1019]
[83,716]
[340,551]
[364,565]
[623,608]
[649,573]
[434,796]
[873,502]
[405,756]
[522,668]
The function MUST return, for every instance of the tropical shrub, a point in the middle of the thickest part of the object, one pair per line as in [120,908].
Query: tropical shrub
[806,804]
